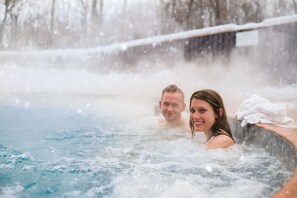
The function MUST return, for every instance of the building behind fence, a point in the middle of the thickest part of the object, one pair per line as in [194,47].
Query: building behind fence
[271,45]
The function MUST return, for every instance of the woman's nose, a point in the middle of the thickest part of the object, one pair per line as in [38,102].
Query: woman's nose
[196,115]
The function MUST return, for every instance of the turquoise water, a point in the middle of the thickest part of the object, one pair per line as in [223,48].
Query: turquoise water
[60,152]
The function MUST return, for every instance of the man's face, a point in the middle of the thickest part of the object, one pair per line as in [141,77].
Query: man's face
[171,106]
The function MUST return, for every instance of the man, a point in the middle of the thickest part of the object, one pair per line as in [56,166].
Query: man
[172,104]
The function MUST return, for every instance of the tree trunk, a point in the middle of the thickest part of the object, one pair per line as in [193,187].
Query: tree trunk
[51,33]
[189,14]
[221,11]
[124,20]
[2,28]
[100,18]
[101,8]
[53,15]
[3,24]
[124,8]
[173,8]
[94,16]
[94,9]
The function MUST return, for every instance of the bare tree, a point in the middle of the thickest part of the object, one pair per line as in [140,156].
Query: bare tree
[97,19]
[189,13]
[84,12]
[94,8]
[198,13]
[284,8]
[247,9]
[221,11]
[94,15]
[11,12]
[168,13]
[53,15]
[8,7]
[101,7]
[52,22]
[87,17]
[241,12]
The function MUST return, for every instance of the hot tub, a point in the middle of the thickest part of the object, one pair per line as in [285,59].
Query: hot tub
[64,152]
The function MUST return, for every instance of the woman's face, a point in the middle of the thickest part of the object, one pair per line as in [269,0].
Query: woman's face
[202,116]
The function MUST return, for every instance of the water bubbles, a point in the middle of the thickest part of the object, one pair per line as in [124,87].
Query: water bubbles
[12,191]
[27,168]
[208,168]
[60,168]
[20,157]
[7,166]
[123,159]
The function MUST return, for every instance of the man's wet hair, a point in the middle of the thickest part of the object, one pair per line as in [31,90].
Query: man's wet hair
[173,89]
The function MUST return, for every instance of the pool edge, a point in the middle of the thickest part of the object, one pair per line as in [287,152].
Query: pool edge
[289,189]
[279,141]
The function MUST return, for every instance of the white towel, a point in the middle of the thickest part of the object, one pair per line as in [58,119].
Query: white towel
[260,110]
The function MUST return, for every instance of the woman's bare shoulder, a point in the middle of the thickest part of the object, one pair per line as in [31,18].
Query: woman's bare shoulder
[220,141]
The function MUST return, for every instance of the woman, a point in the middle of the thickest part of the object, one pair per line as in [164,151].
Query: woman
[208,115]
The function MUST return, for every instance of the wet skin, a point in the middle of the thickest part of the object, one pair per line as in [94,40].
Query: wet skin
[172,105]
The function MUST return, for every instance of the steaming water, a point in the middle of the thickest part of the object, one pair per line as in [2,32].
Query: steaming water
[25,83]
[62,152]
[76,132]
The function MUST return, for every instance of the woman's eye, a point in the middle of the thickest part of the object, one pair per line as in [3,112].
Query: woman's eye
[192,111]
[202,110]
